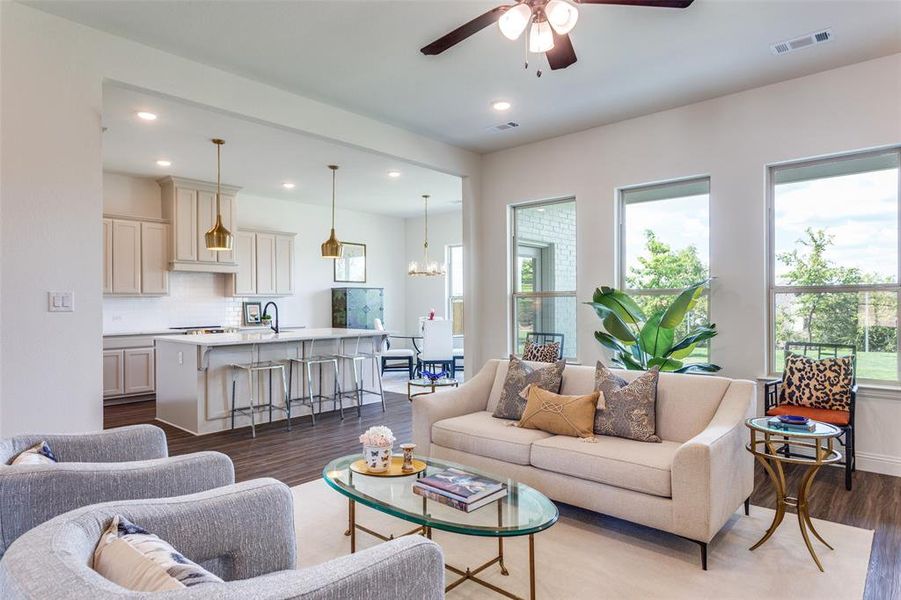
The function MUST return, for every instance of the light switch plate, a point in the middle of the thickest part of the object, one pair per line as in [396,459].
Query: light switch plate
[61,301]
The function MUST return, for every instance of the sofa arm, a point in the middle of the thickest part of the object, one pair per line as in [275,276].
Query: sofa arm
[713,473]
[31,495]
[470,397]
[407,568]
[123,444]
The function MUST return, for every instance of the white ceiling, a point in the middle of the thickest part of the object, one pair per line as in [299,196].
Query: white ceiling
[259,158]
[364,55]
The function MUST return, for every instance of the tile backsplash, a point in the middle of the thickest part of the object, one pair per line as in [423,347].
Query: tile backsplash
[194,299]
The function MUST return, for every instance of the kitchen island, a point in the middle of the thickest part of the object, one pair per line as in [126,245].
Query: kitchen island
[194,376]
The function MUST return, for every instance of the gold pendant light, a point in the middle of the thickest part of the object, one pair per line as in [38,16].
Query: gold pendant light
[428,268]
[332,248]
[218,238]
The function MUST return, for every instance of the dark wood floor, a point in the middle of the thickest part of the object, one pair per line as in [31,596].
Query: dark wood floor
[298,457]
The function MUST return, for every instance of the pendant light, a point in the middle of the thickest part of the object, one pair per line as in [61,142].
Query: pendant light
[218,238]
[427,268]
[331,248]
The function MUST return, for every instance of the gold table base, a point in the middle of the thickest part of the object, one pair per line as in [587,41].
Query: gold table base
[771,461]
[467,574]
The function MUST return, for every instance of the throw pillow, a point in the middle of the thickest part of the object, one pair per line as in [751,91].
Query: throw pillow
[39,454]
[560,415]
[631,408]
[519,375]
[824,383]
[545,353]
[137,560]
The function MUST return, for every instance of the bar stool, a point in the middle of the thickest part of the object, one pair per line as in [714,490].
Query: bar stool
[251,409]
[308,362]
[357,360]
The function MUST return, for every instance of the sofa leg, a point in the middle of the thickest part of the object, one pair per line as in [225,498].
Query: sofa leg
[703,555]
[748,506]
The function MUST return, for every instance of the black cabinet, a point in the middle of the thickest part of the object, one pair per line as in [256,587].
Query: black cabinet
[357,307]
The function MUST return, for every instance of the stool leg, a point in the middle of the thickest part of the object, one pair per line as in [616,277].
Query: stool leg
[310,392]
[233,398]
[337,393]
[270,394]
[286,396]
[253,425]
[378,376]
[358,384]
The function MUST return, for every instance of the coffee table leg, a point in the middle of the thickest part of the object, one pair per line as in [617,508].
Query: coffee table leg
[532,566]
[500,539]
[351,525]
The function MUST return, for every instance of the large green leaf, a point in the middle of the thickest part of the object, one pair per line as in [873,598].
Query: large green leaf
[682,304]
[699,368]
[682,352]
[655,339]
[615,327]
[619,302]
[694,337]
[665,364]
[627,361]
[608,341]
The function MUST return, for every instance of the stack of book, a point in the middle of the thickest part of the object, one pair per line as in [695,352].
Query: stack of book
[459,489]
[790,424]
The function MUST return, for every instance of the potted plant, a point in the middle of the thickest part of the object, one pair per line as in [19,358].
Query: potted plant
[377,443]
[266,320]
[639,342]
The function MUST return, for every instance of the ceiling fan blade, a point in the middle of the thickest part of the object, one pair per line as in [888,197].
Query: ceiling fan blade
[464,31]
[652,3]
[562,54]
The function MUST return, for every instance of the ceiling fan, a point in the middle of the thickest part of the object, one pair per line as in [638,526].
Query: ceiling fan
[550,20]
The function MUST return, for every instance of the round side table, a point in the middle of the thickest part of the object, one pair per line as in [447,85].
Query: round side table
[430,385]
[821,441]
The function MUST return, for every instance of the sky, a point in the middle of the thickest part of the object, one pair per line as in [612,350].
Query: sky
[678,222]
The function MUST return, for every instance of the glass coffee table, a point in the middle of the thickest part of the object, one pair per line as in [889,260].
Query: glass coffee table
[428,385]
[524,511]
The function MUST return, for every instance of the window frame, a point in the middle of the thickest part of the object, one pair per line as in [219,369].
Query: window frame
[450,298]
[622,267]
[774,290]
[513,267]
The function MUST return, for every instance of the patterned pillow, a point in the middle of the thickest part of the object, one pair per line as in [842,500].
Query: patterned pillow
[519,375]
[631,408]
[546,353]
[39,454]
[813,383]
[137,560]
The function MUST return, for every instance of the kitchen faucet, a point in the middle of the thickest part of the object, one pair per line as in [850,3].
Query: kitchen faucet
[274,325]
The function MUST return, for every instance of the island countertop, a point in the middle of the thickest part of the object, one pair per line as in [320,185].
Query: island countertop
[249,338]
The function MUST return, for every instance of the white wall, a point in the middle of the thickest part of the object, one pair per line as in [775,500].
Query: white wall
[730,139]
[131,196]
[424,293]
[51,195]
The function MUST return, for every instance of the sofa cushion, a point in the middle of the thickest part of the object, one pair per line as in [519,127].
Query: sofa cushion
[630,409]
[521,374]
[619,462]
[481,434]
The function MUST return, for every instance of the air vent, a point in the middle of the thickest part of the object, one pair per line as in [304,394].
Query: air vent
[504,126]
[805,41]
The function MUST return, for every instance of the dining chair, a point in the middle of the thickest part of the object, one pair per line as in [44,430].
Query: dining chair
[437,346]
[394,359]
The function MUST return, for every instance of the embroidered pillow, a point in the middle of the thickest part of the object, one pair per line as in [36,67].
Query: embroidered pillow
[39,454]
[546,353]
[630,408]
[824,383]
[137,560]
[560,415]
[519,375]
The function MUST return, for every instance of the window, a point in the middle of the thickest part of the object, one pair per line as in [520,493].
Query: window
[544,272]
[833,258]
[664,247]
[455,287]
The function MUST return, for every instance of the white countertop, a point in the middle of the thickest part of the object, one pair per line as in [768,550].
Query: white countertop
[249,338]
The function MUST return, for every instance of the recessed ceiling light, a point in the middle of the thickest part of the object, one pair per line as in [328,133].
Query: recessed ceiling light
[164,163]
[147,116]
[394,174]
[501,105]
[288,185]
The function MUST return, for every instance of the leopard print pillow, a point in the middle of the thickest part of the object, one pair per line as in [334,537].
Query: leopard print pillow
[545,353]
[824,383]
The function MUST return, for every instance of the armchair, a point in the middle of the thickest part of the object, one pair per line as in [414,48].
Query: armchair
[116,464]
[243,533]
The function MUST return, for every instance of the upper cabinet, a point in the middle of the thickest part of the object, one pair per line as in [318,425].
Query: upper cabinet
[265,263]
[190,206]
[135,257]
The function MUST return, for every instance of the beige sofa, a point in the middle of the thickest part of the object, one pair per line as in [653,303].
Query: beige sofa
[688,485]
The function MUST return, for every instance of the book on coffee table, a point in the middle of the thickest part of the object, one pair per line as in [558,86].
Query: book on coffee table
[459,485]
[440,498]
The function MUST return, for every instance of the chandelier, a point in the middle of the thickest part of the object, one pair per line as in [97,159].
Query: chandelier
[428,267]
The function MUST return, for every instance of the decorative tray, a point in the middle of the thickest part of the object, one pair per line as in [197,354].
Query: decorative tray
[394,470]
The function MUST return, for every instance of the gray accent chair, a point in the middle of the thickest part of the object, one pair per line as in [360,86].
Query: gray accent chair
[243,533]
[116,464]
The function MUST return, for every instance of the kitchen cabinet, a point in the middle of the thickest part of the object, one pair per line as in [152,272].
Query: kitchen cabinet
[113,373]
[265,263]
[190,206]
[135,257]
[129,366]
[357,307]
[139,373]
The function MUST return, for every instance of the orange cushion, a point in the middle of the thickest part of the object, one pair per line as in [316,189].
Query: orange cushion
[835,417]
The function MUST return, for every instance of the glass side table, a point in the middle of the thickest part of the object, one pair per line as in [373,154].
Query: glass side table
[428,386]
[821,442]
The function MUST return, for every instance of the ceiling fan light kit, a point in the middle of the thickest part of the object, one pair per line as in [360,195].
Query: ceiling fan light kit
[541,37]
[514,21]
[561,15]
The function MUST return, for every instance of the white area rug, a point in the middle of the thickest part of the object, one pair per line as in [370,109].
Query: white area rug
[586,555]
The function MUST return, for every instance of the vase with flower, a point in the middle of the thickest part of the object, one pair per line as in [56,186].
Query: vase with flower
[378,442]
